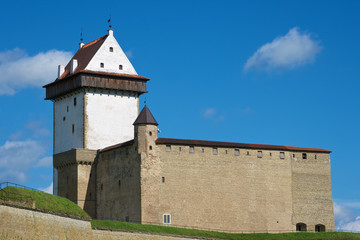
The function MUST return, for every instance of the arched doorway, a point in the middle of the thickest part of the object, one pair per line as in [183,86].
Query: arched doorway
[319,228]
[301,227]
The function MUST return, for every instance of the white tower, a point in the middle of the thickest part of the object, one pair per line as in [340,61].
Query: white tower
[96,98]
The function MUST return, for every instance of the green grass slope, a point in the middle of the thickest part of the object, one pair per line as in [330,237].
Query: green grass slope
[220,235]
[48,202]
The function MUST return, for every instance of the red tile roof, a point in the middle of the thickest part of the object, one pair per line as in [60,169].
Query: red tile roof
[124,144]
[83,56]
[236,145]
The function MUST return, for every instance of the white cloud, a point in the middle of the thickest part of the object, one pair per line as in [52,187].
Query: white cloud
[16,157]
[209,112]
[19,70]
[346,219]
[286,52]
[48,189]
[45,162]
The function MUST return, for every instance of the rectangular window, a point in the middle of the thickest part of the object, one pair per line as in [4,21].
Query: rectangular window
[259,155]
[282,155]
[163,179]
[168,148]
[237,152]
[315,157]
[191,149]
[304,156]
[73,128]
[215,151]
[167,219]
[179,149]
[75,101]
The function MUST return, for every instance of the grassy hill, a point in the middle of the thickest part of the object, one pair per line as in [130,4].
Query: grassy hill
[220,235]
[44,201]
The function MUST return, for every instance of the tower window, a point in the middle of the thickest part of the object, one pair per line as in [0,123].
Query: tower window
[150,133]
[259,154]
[225,151]
[315,157]
[237,152]
[179,149]
[73,128]
[304,156]
[127,151]
[202,150]
[102,65]
[74,101]
[120,67]
[64,118]
[248,153]
[163,179]
[67,108]
[150,147]
[111,49]
[282,155]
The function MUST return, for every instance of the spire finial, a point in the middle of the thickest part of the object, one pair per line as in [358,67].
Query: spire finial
[81,36]
[109,21]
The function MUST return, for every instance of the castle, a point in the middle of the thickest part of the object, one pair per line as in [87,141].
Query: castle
[109,160]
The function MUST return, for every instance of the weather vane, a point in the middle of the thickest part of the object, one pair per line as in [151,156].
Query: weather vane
[109,21]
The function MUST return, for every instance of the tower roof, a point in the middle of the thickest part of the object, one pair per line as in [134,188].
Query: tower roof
[101,55]
[145,117]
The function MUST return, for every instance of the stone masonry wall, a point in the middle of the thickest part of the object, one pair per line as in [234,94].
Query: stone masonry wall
[23,224]
[223,191]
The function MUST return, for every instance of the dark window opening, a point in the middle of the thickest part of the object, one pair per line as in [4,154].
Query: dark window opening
[270,155]
[150,133]
[102,65]
[167,219]
[119,183]
[247,153]
[111,49]
[315,157]
[73,128]
[163,179]
[293,155]
[150,147]
[90,196]
[64,118]
[301,227]
[75,101]
[319,228]
[120,67]
[179,149]
[202,150]
[304,156]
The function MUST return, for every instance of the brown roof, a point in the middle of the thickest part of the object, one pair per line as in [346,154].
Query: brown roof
[236,145]
[124,144]
[83,56]
[145,117]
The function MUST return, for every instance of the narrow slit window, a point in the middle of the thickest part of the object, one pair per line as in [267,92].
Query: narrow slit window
[202,150]
[75,101]
[179,149]
[163,179]
[150,133]
[73,128]
[315,157]
[248,153]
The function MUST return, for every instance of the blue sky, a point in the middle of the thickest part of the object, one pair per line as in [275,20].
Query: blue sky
[270,72]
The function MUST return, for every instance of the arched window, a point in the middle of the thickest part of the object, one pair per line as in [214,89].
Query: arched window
[319,228]
[301,227]
[111,49]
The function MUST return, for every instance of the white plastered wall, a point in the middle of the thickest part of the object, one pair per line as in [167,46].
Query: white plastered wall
[111,60]
[64,138]
[109,117]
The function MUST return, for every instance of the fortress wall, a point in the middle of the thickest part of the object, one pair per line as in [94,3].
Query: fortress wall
[17,223]
[23,224]
[311,189]
[225,192]
[117,200]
